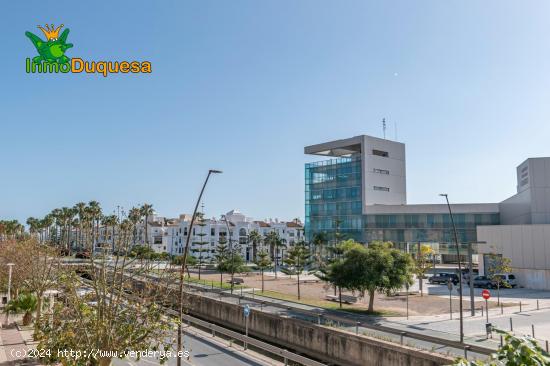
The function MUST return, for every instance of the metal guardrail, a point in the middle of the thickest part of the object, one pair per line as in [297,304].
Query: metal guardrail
[283,353]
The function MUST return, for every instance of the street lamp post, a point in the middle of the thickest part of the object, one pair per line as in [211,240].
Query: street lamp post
[459,268]
[10,266]
[183,264]
[231,251]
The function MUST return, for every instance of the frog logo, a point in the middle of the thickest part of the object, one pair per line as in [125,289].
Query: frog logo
[53,49]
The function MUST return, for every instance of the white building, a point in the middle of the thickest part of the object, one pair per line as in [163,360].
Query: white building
[169,235]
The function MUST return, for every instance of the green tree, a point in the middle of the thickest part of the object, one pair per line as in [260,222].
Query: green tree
[377,268]
[200,246]
[422,264]
[515,351]
[221,256]
[120,311]
[263,262]
[497,266]
[298,258]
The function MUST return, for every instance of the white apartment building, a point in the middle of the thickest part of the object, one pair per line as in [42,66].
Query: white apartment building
[169,235]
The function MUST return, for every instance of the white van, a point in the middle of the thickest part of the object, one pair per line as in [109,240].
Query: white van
[508,278]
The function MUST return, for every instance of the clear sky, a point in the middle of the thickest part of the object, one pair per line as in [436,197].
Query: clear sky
[243,86]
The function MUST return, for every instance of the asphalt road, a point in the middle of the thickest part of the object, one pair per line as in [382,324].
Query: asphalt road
[203,352]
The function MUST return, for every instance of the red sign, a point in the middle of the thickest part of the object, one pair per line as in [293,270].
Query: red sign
[486,294]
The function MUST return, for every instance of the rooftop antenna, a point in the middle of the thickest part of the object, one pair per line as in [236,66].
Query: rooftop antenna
[395,125]
[384,127]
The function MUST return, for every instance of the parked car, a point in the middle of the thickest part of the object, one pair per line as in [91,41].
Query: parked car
[483,282]
[82,255]
[443,278]
[466,273]
[507,278]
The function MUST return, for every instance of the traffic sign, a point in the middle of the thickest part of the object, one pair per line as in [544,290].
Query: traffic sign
[486,294]
[246,311]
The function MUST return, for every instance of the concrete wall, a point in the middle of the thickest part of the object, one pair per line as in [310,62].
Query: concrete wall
[319,342]
[527,246]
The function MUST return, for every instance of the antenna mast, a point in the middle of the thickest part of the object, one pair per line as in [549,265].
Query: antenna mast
[384,127]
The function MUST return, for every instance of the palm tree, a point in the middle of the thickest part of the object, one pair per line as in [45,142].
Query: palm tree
[80,209]
[255,238]
[146,211]
[110,221]
[94,210]
[25,302]
[134,215]
[33,225]
[275,243]
[319,242]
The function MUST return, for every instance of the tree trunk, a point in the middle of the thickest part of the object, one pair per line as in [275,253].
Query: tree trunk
[340,296]
[262,280]
[420,285]
[371,300]
[298,285]
[27,318]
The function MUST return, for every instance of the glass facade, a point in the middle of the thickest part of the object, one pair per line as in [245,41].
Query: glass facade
[333,198]
[333,203]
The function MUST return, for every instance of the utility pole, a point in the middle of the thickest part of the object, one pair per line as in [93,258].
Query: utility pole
[184,264]
[459,268]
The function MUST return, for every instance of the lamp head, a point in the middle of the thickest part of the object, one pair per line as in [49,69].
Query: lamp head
[214,171]
[443,194]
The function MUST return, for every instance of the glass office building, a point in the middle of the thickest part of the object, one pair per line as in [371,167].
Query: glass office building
[360,194]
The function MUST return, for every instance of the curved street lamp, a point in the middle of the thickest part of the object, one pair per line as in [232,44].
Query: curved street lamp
[459,267]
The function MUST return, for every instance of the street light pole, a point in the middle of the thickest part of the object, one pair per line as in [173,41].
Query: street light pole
[459,268]
[230,250]
[184,264]
[10,266]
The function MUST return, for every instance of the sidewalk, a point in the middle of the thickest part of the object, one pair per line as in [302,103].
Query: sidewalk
[14,346]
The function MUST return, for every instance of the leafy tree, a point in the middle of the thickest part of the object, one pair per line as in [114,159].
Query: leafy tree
[298,258]
[263,262]
[516,351]
[379,267]
[498,265]
[120,310]
[319,242]
[423,263]
[235,263]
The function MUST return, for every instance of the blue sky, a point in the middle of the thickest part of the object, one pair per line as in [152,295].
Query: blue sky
[243,86]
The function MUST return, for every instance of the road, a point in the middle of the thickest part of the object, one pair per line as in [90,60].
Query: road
[206,352]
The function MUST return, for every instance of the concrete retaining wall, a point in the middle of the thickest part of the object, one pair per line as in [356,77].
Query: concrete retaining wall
[320,342]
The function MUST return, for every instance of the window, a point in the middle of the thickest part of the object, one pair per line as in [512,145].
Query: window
[242,232]
[380,153]
[212,231]
[384,189]
[381,171]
